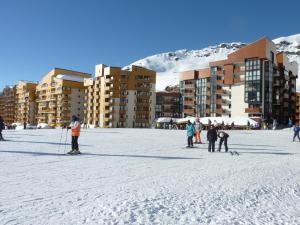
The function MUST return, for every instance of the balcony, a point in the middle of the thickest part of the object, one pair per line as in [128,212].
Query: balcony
[143,88]
[220,82]
[253,110]
[238,80]
[222,92]
[189,94]
[189,103]
[168,102]
[225,102]
[189,111]
[109,80]
[189,86]
[220,111]
[276,83]
[66,92]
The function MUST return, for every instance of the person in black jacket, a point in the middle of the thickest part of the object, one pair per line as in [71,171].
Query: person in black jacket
[2,127]
[223,138]
[212,137]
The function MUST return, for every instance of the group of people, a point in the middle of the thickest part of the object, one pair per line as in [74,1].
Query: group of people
[194,131]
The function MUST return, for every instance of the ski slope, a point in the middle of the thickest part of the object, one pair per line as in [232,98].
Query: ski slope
[137,176]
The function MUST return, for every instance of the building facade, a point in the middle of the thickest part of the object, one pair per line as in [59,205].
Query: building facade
[298,108]
[8,104]
[60,94]
[168,104]
[120,98]
[26,102]
[254,81]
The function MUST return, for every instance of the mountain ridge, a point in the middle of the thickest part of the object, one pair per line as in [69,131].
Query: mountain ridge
[168,65]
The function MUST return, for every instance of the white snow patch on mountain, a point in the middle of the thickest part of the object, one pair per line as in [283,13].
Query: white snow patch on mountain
[168,65]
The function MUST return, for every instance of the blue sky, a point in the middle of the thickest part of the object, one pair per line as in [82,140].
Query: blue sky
[37,35]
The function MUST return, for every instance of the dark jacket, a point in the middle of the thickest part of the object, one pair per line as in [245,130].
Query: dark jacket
[2,125]
[212,135]
[224,134]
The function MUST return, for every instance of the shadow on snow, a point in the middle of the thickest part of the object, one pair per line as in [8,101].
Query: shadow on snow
[101,155]
[44,142]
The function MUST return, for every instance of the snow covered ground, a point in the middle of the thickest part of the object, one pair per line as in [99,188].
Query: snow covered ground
[136,176]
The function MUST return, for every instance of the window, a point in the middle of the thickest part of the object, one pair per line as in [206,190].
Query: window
[253,80]
[272,57]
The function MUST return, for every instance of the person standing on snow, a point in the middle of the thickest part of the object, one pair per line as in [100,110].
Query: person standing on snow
[212,137]
[190,129]
[296,132]
[198,128]
[290,123]
[75,128]
[223,138]
[275,124]
[2,127]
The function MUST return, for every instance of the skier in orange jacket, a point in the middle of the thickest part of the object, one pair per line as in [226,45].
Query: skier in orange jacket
[75,128]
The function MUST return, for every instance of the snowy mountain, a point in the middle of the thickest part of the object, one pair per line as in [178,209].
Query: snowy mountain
[168,65]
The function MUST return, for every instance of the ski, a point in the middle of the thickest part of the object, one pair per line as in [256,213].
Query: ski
[74,153]
[236,153]
[231,152]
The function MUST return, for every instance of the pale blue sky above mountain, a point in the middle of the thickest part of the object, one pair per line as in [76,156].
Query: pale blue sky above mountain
[37,35]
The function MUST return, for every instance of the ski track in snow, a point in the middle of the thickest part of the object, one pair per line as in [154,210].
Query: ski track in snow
[139,176]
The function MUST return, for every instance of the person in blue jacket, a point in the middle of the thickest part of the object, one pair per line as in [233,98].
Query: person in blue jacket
[296,132]
[190,129]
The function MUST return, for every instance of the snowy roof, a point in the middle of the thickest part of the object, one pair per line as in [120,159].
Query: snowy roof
[239,121]
[165,120]
[70,78]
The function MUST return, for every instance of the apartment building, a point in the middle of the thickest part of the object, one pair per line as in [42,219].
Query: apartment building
[60,94]
[8,104]
[298,108]
[26,102]
[119,97]
[255,81]
[168,104]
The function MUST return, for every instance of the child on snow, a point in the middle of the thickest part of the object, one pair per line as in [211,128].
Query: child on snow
[223,139]
[190,133]
[75,128]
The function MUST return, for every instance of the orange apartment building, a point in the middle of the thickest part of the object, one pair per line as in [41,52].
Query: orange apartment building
[8,104]
[255,81]
[59,95]
[26,102]
[120,98]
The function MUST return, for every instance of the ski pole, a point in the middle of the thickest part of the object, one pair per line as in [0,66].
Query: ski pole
[66,141]
[61,134]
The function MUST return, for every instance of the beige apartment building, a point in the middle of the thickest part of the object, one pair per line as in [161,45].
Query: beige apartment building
[255,81]
[8,104]
[120,98]
[26,102]
[60,94]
